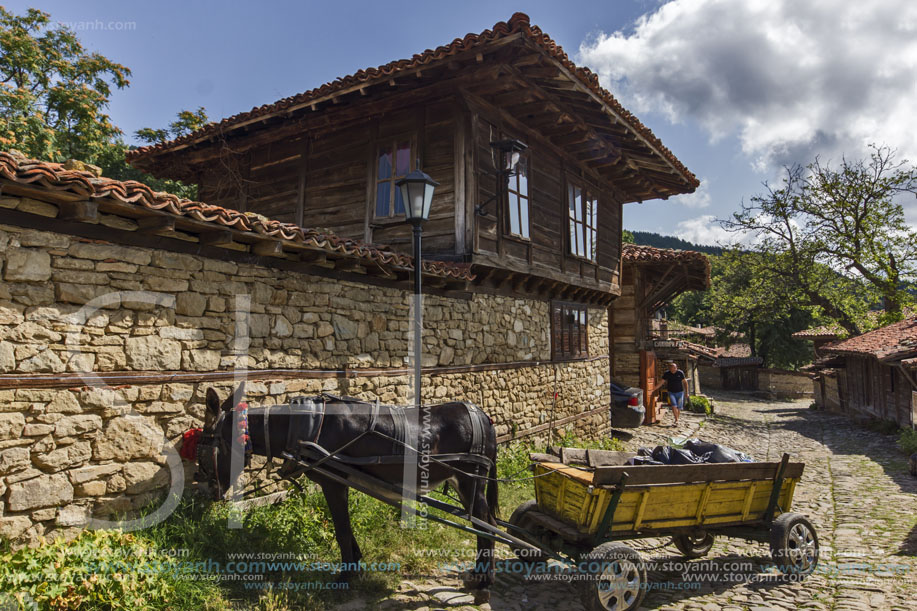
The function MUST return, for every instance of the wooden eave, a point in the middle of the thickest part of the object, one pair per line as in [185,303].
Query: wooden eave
[512,74]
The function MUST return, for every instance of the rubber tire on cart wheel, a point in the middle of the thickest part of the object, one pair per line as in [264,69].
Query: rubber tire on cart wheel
[619,583]
[692,546]
[794,544]
[520,519]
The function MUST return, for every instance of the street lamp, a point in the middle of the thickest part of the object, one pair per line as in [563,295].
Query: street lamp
[417,194]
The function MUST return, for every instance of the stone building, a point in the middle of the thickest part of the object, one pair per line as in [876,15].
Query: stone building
[119,306]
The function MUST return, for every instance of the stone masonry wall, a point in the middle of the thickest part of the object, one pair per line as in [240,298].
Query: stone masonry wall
[89,451]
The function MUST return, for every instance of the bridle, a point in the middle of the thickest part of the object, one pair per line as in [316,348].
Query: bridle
[212,444]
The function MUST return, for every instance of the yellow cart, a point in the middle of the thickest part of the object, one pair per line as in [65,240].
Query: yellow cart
[585,511]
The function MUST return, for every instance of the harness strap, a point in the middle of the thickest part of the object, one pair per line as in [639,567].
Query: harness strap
[399,419]
[477,429]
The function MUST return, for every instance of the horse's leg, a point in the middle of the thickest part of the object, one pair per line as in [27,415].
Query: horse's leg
[471,491]
[336,496]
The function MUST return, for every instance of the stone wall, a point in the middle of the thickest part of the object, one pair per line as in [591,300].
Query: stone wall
[70,451]
[710,378]
[780,382]
[783,383]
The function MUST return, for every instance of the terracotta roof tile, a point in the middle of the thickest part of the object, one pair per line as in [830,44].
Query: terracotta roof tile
[823,332]
[735,351]
[748,361]
[889,342]
[637,253]
[55,177]
[518,23]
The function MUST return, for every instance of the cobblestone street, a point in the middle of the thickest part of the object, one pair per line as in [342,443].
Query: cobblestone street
[855,489]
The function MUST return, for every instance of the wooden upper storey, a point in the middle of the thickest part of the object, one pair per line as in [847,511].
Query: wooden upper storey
[328,159]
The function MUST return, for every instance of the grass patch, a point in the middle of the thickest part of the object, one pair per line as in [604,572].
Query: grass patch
[883,427]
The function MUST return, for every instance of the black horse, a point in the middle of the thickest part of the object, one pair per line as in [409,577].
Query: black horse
[458,433]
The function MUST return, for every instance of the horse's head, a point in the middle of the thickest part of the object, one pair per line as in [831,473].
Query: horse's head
[225,434]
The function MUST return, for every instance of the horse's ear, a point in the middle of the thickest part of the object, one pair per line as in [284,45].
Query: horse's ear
[235,398]
[213,402]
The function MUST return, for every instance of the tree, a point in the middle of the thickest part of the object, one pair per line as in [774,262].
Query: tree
[53,93]
[186,122]
[627,237]
[747,300]
[115,166]
[839,235]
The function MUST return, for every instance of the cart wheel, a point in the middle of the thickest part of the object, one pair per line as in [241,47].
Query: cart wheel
[794,544]
[532,533]
[618,580]
[694,545]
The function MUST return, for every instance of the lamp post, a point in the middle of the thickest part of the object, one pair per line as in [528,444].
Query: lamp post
[417,194]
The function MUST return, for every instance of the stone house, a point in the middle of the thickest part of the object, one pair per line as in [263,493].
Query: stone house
[120,306]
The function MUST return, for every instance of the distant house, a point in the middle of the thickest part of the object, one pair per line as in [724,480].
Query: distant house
[872,374]
[732,368]
[820,337]
[640,344]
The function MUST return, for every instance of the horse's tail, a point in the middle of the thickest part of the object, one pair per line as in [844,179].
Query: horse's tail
[493,502]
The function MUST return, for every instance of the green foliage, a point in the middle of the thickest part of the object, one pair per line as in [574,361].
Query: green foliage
[186,122]
[838,234]
[907,441]
[53,93]
[746,299]
[53,98]
[699,405]
[627,237]
[102,570]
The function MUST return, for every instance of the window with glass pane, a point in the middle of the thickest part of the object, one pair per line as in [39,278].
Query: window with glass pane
[583,219]
[393,163]
[568,331]
[518,199]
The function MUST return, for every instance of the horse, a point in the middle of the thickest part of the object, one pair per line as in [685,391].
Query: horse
[457,432]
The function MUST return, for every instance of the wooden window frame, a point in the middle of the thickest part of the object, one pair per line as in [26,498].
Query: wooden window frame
[392,143]
[513,188]
[562,331]
[579,230]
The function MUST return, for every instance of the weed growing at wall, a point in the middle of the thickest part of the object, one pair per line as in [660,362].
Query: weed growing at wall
[907,441]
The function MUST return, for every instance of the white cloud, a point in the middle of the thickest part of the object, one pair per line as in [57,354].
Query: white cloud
[699,199]
[789,78]
[704,229]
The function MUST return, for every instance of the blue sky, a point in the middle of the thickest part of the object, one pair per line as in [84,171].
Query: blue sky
[735,88]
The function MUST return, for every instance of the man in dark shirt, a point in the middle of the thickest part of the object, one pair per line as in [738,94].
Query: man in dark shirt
[674,380]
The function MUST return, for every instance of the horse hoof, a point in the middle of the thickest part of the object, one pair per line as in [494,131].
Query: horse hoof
[481,597]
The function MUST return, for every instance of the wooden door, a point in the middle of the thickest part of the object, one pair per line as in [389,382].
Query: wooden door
[648,383]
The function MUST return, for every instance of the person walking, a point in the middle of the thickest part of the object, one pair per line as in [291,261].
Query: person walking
[674,380]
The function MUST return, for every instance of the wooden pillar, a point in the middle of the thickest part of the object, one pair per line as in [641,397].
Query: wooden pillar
[648,384]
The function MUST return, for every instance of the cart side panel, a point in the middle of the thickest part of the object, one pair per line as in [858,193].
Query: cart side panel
[568,496]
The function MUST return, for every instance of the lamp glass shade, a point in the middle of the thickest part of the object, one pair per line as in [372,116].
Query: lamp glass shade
[417,193]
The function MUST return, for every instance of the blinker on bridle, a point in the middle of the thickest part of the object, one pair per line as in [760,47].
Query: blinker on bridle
[211,444]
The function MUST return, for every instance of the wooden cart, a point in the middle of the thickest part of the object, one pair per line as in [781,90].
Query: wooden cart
[584,511]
